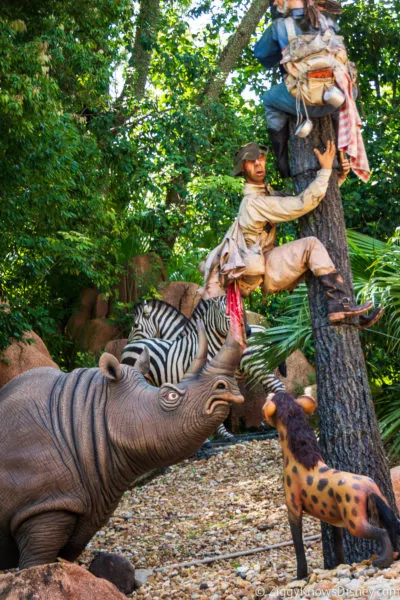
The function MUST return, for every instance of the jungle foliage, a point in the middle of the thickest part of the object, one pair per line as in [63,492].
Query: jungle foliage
[118,123]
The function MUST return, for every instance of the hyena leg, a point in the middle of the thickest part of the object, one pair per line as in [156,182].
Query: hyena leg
[388,519]
[385,557]
[296,528]
[338,545]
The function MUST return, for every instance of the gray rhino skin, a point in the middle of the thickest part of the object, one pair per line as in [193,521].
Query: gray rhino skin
[72,443]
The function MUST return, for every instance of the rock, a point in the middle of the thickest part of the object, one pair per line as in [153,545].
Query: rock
[141,576]
[115,347]
[254,318]
[114,568]
[144,272]
[182,295]
[95,335]
[300,373]
[20,357]
[248,414]
[83,314]
[88,326]
[58,581]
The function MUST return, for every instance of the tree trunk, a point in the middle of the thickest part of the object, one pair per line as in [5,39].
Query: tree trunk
[349,435]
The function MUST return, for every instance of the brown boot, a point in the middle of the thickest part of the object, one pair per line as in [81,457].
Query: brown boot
[339,304]
[369,320]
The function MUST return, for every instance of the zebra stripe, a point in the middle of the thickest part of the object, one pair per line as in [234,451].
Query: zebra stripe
[170,358]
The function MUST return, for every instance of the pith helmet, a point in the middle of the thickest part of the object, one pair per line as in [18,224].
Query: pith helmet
[248,152]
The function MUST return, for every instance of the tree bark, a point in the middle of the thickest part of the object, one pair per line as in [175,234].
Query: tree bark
[139,64]
[349,434]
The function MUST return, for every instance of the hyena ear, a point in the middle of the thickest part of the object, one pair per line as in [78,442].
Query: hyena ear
[110,367]
[307,403]
[269,410]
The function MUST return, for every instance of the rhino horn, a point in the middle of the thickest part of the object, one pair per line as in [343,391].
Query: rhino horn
[201,356]
[228,358]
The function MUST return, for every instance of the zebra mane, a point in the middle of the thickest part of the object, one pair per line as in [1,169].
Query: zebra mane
[204,305]
[157,303]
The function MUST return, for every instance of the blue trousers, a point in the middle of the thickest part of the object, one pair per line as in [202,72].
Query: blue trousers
[279,104]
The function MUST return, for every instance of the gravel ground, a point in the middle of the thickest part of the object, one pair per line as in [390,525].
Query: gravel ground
[230,502]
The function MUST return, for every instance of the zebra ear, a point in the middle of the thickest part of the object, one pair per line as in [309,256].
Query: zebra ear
[201,356]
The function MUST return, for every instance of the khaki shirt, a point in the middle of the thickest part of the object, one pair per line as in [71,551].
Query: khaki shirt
[257,209]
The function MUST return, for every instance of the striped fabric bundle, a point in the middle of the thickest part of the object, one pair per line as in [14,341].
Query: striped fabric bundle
[349,133]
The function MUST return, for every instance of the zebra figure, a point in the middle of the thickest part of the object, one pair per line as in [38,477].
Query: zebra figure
[169,358]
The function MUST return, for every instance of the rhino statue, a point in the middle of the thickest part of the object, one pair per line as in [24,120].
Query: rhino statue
[72,443]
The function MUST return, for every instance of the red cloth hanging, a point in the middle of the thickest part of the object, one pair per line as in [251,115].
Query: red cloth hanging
[235,310]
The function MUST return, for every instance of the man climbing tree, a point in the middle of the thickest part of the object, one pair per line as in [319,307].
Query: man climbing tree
[257,261]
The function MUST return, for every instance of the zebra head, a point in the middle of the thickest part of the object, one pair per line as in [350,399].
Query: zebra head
[213,314]
[143,325]
[155,319]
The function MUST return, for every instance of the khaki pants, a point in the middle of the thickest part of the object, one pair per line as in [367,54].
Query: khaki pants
[285,266]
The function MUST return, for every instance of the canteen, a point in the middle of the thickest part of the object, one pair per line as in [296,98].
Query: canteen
[304,129]
[334,96]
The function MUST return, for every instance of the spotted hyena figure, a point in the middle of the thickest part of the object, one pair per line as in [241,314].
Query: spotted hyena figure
[336,497]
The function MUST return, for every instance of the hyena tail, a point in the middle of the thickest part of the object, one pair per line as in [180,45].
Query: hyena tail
[388,519]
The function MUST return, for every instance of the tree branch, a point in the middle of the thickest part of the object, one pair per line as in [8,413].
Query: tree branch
[233,49]
[145,37]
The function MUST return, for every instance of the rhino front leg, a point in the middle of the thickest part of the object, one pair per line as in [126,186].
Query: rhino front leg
[83,533]
[41,537]
[9,554]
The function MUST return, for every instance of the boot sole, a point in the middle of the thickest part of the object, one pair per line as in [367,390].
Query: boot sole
[339,316]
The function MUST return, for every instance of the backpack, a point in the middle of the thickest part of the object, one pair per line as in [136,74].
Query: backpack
[310,61]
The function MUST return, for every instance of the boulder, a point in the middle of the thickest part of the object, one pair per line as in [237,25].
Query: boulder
[300,373]
[144,272]
[83,314]
[249,414]
[114,568]
[254,318]
[57,581]
[395,476]
[180,294]
[88,327]
[115,347]
[95,335]
[20,357]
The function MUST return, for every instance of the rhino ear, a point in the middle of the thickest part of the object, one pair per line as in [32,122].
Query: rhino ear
[110,367]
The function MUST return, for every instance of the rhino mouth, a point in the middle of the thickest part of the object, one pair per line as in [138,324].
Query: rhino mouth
[213,403]
[222,400]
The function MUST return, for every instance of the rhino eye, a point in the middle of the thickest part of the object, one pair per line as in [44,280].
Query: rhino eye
[170,399]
